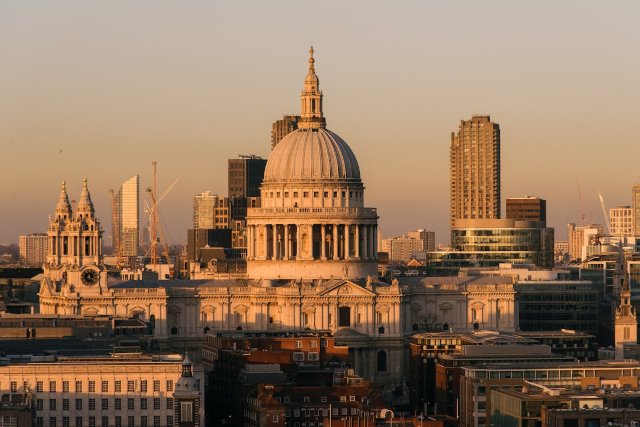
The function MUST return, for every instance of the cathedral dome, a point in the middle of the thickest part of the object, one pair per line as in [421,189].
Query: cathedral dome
[312,154]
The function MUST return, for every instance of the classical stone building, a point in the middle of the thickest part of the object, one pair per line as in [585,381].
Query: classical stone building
[312,263]
[124,389]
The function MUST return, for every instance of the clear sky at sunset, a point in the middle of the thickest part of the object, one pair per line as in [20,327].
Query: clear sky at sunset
[102,88]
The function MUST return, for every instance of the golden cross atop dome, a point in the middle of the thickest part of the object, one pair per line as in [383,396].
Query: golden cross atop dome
[64,186]
[85,184]
[311,61]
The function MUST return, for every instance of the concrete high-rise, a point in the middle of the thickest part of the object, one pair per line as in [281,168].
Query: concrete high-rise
[475,170]
[282,128]
[204,205]
[621,221]
[635,205]
[527,208]
[245,176]
[578,237]
[33,249]
[128,213]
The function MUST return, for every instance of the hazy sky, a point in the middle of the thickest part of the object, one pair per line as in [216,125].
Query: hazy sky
[102,88]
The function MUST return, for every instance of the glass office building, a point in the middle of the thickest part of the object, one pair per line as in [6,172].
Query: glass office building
[128,213]
[490,242]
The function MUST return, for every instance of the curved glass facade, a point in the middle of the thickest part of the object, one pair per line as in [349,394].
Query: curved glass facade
[488,247]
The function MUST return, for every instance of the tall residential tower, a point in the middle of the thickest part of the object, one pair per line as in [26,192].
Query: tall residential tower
[475,170]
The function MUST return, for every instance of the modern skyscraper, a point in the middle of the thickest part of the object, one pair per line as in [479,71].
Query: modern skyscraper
[475,170]
[245,176]
[527,208]
[282,128]
[635,205]
[33,249]
[128,213]
[204,205]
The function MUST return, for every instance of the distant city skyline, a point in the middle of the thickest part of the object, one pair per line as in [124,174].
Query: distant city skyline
[91,91]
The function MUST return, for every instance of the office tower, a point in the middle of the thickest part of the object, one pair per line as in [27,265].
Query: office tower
[33,249]
[204,205]
[245,176]
[621,221]
[578,237]
[428,238]
[475,170]
[282,128]
[635,205]
[527,208]
[128,213]
[400,248]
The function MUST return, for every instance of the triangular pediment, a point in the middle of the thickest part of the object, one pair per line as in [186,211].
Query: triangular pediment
[345,288]
[45,287]
[91,311]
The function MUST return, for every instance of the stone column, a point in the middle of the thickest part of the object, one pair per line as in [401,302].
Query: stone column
[286,242]
[252,241]
[265,243]
[365,242]
[357,241]
[298,242]
[297,318]
[335,241]
[372,255]
[375,242]
[347,255]
[323,239]
[275,242]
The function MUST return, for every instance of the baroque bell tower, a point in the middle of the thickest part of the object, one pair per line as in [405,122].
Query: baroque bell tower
[626,323]
[74,257]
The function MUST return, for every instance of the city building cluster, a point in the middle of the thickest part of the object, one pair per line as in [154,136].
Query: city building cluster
[287,308]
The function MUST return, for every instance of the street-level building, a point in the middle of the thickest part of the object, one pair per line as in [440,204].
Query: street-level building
[127,389]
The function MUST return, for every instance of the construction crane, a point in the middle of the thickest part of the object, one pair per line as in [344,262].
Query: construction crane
[583,217]
[116,230]
[156,221]
[604,212]
[148,211]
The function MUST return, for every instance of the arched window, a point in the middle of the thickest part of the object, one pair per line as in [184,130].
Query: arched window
[381,361]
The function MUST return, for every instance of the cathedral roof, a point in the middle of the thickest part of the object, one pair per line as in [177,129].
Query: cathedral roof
[63,200]
[311,154]
[85,197]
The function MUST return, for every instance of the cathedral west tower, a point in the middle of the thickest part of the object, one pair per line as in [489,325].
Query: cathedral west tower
[313,223]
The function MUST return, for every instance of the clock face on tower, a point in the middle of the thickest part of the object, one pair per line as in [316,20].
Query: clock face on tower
[89,277]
